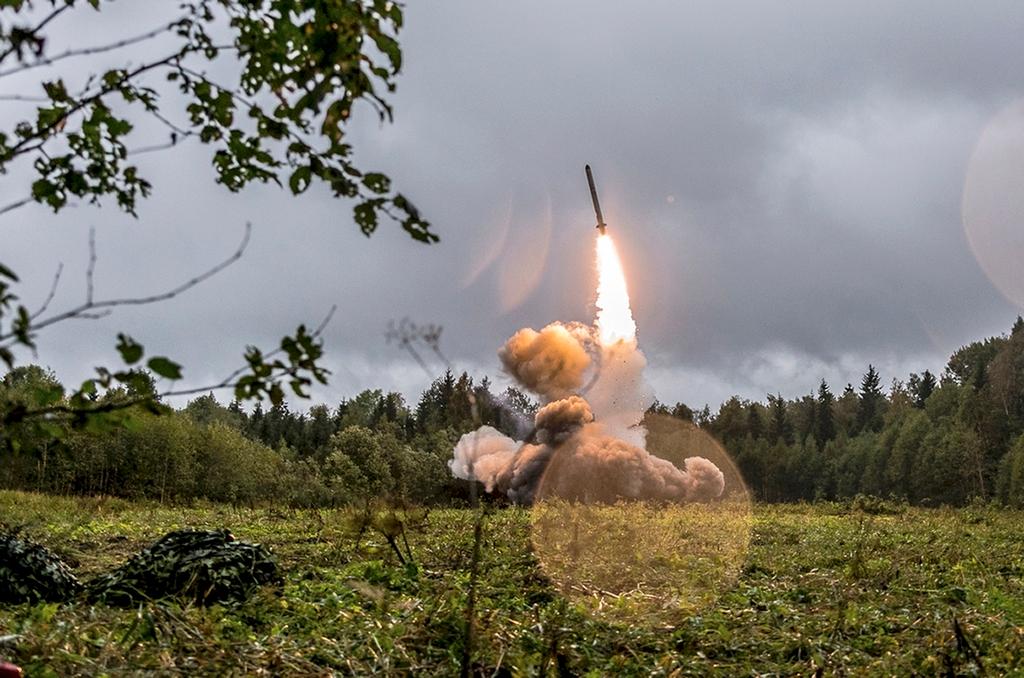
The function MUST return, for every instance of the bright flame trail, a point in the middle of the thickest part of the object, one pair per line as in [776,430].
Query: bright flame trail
[614,318]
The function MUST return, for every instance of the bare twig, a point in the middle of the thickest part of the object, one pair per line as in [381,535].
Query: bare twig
[465,666]
[15,205]
[90,270]
[152,149]
[53,291]
[406,334]
[90,307]
[86,51]
[24,97]
[174,128]
[965,646]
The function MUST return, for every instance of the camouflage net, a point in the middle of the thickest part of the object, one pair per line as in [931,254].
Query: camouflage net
[202,566]
[30,573]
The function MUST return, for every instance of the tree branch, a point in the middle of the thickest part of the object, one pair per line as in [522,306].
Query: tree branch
[15,205]
[90,270]
[231,380]
[228,382]
[50,17]
[177,134]
[90,306]
[24,97]
[43,134]
[53,291]
[86,51]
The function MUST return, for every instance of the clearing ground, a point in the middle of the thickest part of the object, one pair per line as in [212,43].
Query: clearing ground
[856,589]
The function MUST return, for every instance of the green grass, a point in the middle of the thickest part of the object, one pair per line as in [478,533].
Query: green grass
[827,587]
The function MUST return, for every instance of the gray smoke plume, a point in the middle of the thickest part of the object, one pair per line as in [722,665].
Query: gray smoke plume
[557,421]
[594,467]
[584,446]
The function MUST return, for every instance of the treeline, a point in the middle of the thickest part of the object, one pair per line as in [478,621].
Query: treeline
[929,439]
[373,445]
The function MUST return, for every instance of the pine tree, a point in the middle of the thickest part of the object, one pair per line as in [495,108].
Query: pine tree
[825,422]
[869,411]
[703,418]
[730,425]
[254,426]
[487,407]
[321,428]
[681,411]
[779,427]
[658,407]
[846,410]
[921,387]
[755,423]
[806,417]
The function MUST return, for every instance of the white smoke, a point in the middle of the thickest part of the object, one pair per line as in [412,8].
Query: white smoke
[482,455]
[587,442]
[619,395]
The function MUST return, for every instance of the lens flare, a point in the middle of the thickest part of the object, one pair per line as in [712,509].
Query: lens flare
[614,318]
[993,204]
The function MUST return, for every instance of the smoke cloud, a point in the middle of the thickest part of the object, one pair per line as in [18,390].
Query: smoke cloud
[557,421]
[483,454]
[601,468]
[587,442]
[550,363]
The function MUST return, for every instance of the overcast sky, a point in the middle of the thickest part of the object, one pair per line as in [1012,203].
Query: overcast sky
[785,182]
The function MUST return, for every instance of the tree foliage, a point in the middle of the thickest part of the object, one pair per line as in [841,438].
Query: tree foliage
[268,86]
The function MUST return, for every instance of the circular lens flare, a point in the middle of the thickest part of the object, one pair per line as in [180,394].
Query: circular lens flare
[647,562]
[993,202]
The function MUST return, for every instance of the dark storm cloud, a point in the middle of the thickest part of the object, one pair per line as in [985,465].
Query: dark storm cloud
[784,180]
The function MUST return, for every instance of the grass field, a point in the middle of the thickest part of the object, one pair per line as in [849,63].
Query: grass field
[795,590]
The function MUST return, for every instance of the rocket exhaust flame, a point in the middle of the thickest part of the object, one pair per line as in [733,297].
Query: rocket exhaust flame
[614,318]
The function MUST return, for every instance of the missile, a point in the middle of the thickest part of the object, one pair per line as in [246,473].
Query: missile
[597,205]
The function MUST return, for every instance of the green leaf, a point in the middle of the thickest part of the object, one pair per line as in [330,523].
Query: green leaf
[165,367]
[131,351]
[377,182]
[8,273]
[48,395]
[299,180]
[365,214]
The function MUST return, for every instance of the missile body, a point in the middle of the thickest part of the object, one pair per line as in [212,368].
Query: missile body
[597,205]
